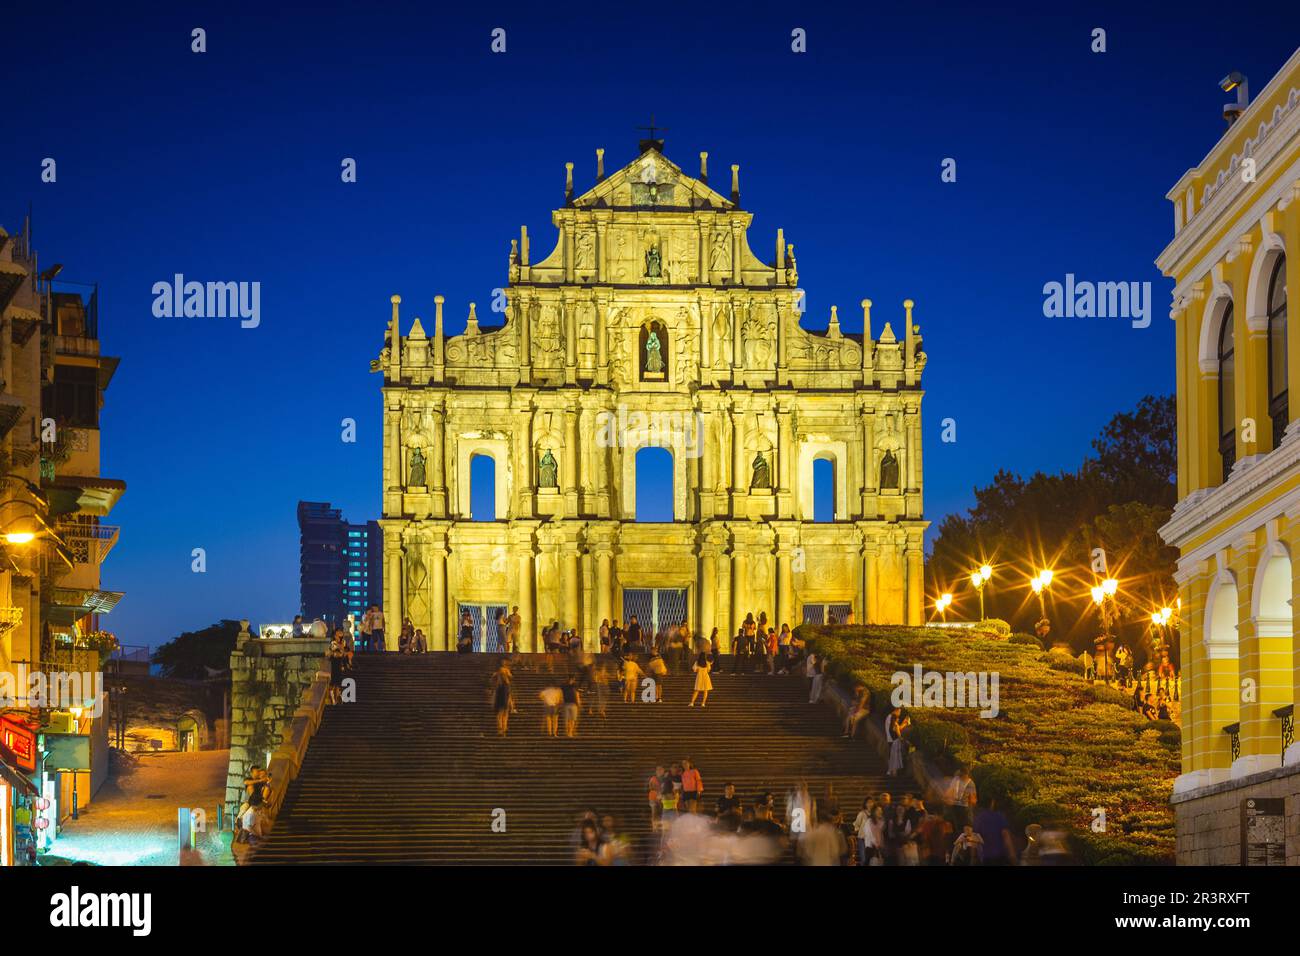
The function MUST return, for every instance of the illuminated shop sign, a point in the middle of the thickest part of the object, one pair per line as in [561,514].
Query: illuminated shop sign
[19,740]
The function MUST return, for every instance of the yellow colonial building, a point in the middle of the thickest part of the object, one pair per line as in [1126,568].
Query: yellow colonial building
[1235,259]
[651,324]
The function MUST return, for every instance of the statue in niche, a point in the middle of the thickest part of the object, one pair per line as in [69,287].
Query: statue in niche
[889,471]
[547,471]
[762,473]
[417,467]
[720,256]
[585,251]
[653,263]
[654,360]
[417,577]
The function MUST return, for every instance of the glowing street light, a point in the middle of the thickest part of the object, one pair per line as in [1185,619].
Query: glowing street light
[1038,584]
[942,603]
[978,579]
[20,537]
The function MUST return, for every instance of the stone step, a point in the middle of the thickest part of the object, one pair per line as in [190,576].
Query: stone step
[413,771]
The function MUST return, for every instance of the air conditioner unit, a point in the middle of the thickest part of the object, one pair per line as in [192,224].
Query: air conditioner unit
[62,722]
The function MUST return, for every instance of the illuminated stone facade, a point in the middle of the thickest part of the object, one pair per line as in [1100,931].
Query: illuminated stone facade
[651,322]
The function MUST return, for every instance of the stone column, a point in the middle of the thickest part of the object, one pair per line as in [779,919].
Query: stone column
[393,436]
[604,581]
[524,475]
[572,585]
[570,326]
[706,336]
[738,453]
[527,615]
[438,611]
[706,250]
[439,489]
[602,346]
[393,603]
[868,463]
[739,583]
[871,582]
[708,464]
[915,586]
[738,312]
[708,610]
[523,312]
[786,463]
[784,586]
[737,245]
[570,463]
[602,247]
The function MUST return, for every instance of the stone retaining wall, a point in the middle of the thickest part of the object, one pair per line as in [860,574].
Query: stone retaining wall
[272,682]
[1209,819]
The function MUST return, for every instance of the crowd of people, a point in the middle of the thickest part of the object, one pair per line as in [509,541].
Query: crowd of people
[692,829]
[1156,687]
[631,663]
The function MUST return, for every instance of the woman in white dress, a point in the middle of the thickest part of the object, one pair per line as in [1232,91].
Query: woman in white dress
[703,683]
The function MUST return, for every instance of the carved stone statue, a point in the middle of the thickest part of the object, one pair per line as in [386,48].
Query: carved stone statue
[654,361]
[889,471]
[720,255]
[547,471]
[762,474]
[416,476]
[585,251]
[653,263]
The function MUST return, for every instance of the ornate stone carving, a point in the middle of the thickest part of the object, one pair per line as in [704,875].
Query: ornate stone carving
[416,475]
[889,471]
[547,471]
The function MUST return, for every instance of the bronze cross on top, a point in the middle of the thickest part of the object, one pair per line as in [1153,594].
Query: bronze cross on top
[652,127]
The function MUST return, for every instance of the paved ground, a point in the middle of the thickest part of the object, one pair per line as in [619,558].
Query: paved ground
[132,821]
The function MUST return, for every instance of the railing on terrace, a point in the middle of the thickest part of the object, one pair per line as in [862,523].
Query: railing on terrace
[89,542]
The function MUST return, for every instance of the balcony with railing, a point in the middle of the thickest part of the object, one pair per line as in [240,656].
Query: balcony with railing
[87,539]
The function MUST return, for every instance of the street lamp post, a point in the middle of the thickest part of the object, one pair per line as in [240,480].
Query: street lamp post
[941,605]
[1103,595]
[978,579]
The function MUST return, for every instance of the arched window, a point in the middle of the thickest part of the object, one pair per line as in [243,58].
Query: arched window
[482,488]
[1277,371]
[654,484]
[1227,401]
[823,489]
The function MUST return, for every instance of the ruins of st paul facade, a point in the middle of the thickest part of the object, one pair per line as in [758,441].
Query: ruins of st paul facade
[651,324]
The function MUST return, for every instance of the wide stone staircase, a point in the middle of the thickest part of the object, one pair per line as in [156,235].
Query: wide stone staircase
[413,771]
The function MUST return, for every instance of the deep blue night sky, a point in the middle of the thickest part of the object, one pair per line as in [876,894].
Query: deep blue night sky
[225,166]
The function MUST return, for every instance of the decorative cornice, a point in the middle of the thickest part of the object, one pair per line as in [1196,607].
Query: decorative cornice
[1249,478]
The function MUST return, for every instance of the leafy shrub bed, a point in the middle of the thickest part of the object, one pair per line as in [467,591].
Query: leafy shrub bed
[1058,749]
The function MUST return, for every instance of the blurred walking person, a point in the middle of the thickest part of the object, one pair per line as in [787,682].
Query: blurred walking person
[632,675]
[552,699]
[703,683]
[502,696]
[572,706]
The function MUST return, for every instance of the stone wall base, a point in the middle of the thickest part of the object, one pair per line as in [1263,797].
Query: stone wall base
[1209,820]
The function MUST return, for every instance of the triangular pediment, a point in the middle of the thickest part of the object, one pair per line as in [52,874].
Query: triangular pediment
[650,181]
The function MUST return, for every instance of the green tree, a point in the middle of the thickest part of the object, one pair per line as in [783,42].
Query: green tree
[191,654]
[1117,500]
